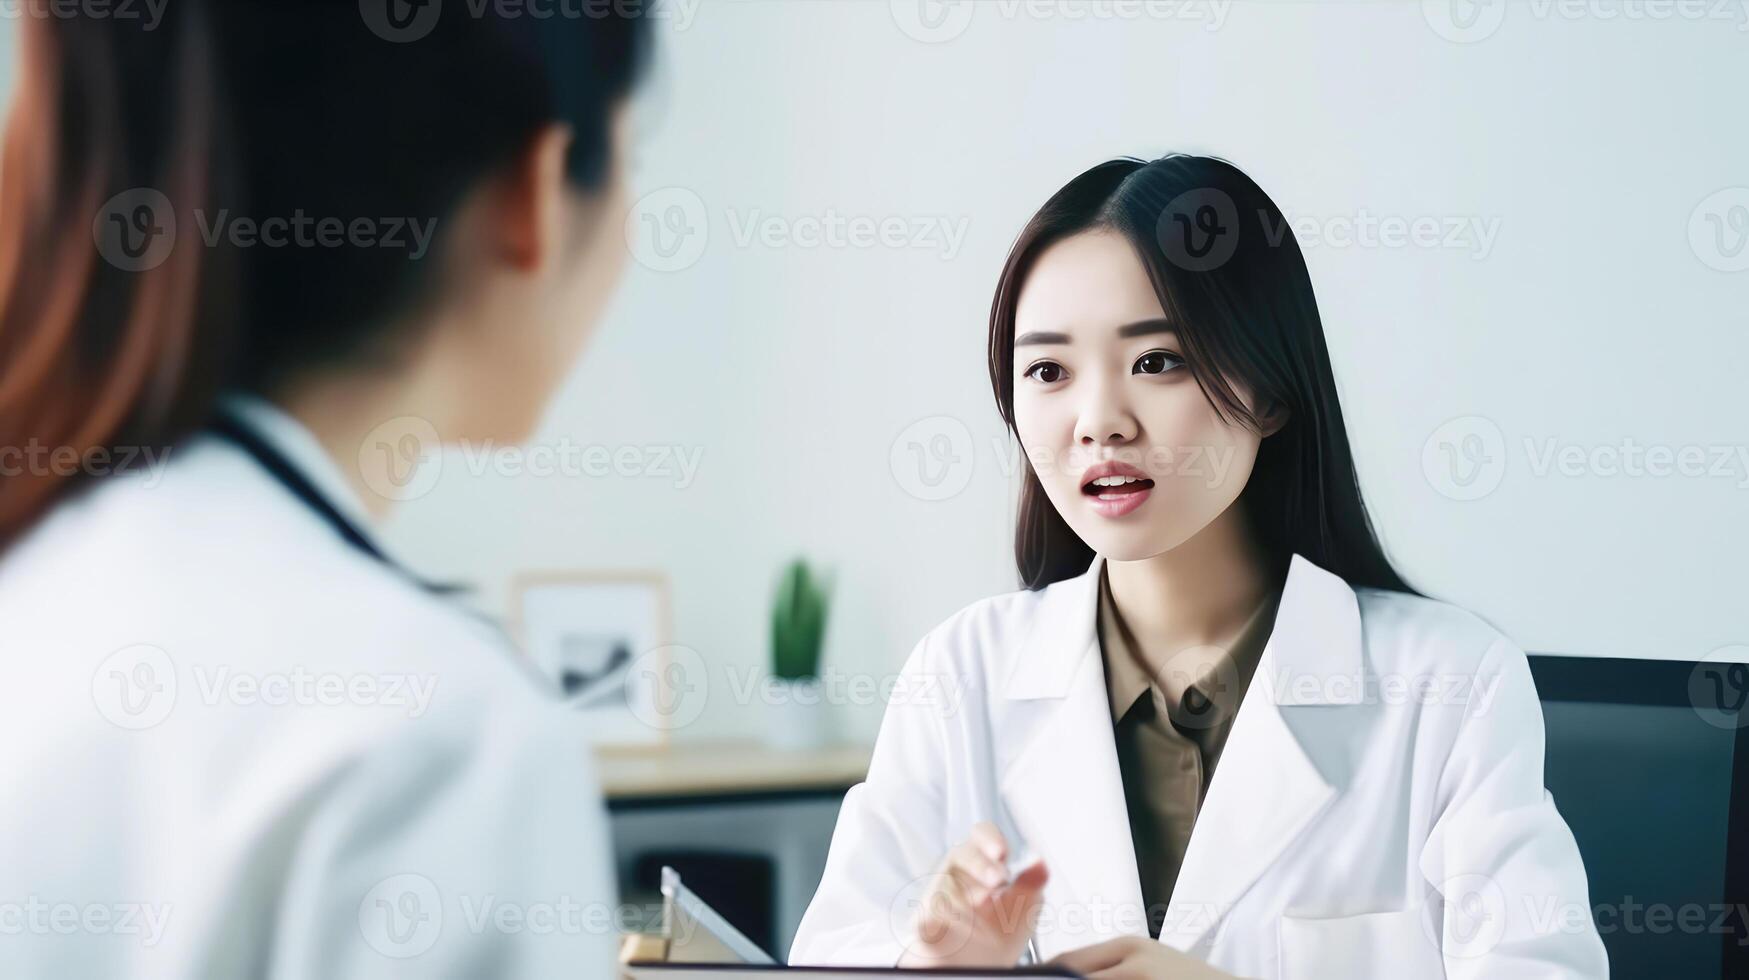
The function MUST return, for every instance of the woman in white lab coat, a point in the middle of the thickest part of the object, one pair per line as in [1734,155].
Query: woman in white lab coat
[257,259]
[1216,735]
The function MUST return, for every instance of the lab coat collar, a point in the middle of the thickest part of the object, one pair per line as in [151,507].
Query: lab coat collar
[1065,792]
[1313,652]
[287,436]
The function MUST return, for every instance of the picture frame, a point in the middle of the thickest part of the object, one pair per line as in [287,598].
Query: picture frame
[603,637]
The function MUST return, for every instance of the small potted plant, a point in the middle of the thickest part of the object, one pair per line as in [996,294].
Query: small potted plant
[796,712]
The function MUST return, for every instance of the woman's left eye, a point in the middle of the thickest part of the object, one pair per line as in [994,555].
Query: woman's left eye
[1157,362]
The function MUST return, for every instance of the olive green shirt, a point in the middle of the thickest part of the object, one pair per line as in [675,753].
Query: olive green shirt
[1170,723]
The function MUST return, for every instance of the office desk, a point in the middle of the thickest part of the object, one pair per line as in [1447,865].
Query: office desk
[734,798]
[727,772]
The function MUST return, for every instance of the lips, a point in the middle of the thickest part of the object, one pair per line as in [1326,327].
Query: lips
[1115,489]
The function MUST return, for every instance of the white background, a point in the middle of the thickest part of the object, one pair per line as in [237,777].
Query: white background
[1585,140]
[1591,321]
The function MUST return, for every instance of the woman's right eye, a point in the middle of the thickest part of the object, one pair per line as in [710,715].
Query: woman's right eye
[1048,372]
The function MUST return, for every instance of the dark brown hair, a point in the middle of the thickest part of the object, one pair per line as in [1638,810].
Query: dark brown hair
[1231,279]
[127,135]
[93,355]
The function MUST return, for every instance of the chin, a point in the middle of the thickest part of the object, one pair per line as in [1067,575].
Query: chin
[1119,542]
[1132,547]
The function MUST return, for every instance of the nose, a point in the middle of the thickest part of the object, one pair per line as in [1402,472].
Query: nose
[1105,419]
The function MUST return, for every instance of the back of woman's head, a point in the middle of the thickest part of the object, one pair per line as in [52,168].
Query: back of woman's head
[247,189]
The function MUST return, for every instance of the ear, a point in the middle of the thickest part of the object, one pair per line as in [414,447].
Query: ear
[1273,417]
[529,216]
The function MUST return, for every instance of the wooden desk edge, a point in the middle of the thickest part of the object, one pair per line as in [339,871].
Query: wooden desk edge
[721,770]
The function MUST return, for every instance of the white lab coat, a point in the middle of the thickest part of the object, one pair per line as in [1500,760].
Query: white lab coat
[1343,814]
[237,747]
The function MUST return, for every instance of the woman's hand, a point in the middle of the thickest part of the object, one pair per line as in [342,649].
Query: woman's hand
[1136,958]
[973,915]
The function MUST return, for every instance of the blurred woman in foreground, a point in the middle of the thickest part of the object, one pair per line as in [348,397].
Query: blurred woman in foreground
[255,260]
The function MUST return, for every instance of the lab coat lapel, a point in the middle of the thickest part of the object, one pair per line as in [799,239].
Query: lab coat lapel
[1063,789]
[1266,788]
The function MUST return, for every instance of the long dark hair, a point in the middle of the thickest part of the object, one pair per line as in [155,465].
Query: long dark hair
[265,109]
[1231,279]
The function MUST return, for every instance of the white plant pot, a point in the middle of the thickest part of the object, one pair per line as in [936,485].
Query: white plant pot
[796,714]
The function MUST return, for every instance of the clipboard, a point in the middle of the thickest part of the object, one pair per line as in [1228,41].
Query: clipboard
[699,944]
[698,934]
[738,971]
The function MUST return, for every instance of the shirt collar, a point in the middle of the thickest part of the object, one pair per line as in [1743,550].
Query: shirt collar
[1197,687]
[1316,636]
[1125,678]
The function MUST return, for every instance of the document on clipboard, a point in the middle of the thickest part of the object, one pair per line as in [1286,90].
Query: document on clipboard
[699,944]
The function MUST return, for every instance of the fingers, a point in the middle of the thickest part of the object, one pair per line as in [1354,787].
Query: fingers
[967,879]
[1090,960]
[942,909]
[1016,907]
[1031,879]
[990,841]
[1123,971]
[973,914]
[1018,903]
[971,862]
[978,863]
[974,880]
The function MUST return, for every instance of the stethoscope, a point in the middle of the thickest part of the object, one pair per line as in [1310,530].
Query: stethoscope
[288,476]
[284,472]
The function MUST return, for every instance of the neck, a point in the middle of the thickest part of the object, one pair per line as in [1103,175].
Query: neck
[1202,592]
[347,412]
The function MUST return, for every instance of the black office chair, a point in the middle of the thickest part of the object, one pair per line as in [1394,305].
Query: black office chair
[1648,760]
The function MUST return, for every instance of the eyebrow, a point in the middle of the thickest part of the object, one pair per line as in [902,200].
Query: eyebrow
[1145,327]
[1138,329]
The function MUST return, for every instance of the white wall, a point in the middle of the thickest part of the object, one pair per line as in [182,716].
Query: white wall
[1584,140]
[1582,143]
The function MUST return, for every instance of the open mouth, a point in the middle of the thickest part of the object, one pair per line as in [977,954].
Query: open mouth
[1116,487]
[1115,493]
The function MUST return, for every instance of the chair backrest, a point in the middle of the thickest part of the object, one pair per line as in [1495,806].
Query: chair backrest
[1648,761]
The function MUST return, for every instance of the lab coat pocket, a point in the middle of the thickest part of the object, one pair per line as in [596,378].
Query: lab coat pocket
[1372,944]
